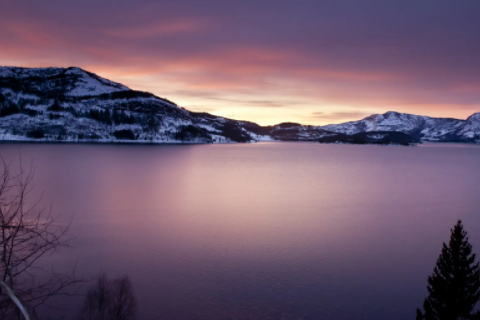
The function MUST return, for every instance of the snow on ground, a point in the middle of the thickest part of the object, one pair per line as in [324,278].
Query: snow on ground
[88,85]
[263,138]
[70,124]
[376,136]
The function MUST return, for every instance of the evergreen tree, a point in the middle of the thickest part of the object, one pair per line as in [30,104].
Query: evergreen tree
[453,288]
[107,117]
[116,116]
[55,106]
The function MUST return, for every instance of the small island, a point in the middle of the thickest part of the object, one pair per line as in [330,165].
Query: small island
[372,137]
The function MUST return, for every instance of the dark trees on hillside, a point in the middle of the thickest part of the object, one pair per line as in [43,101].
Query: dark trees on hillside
[235,133]
[36,134]
[55,106]
[124,134]
[191,133]
[101,116]
[119,116]
[8,110]
[454,286]
[107,117]
[153,123]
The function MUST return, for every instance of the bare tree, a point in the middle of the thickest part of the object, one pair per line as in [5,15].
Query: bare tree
[28,232]
[110,300]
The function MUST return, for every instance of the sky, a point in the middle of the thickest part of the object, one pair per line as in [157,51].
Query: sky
[308,61]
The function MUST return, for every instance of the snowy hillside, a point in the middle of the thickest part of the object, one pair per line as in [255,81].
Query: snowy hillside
[56,104]
[422,127]
[470,131]
[71,104]
[298,132]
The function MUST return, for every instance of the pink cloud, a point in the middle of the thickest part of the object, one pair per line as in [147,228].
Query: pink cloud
[190,57]
[158,29]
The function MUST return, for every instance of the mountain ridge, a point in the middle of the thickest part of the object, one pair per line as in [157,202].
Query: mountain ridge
[72,104]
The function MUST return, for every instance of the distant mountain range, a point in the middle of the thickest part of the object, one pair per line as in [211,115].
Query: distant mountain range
[71,104]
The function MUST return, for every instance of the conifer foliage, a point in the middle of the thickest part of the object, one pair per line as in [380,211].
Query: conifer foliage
[454,286]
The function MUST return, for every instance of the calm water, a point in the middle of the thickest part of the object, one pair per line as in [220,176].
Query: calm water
[260,231]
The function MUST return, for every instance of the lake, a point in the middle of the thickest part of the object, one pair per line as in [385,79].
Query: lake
[265,231]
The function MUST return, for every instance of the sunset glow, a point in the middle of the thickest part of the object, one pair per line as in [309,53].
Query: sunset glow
[313,62]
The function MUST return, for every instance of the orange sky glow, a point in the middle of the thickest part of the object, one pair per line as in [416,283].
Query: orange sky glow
[274,66]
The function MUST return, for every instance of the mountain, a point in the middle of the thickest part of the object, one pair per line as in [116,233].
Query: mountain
[421,127]
[71,104]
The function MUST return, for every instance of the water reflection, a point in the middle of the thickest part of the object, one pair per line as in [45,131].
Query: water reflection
[261,231]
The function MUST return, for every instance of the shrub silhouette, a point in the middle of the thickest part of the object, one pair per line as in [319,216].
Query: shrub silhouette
[36,134]
[55,106]
[110,300]
[124,134]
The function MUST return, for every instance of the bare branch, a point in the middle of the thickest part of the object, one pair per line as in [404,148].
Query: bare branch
[28,232]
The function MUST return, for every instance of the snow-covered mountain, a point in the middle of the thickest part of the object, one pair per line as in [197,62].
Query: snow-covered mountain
[47,104]
[421,127]
[71,104]
[470,131]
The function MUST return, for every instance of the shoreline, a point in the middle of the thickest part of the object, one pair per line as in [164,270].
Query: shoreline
[151,143]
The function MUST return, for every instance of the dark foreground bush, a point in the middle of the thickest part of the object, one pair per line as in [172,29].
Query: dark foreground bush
[110,300]
[191,133]
[55,107]
[6,111]
[124,134]
[30,112]
[36,134]
[235,133]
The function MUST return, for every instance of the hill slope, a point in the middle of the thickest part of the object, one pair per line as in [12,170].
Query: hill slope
[421,127]
[71,104]
[75,105]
